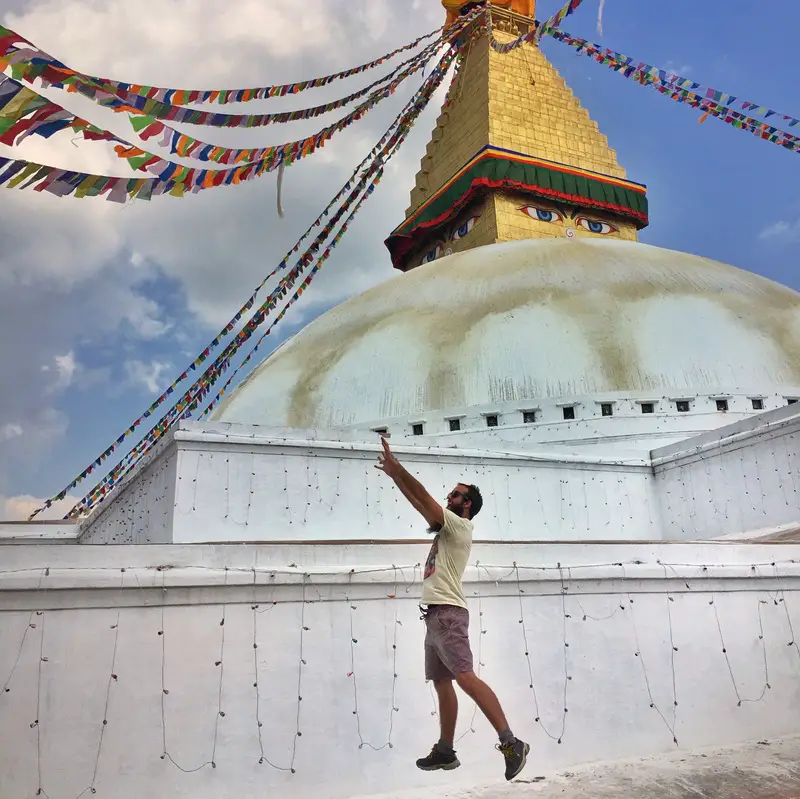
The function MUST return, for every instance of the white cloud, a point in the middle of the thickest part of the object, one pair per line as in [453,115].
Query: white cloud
[74,272]
[150,375]
[65,366]
[678,68]
[781,231]
[9,431]
[19,508]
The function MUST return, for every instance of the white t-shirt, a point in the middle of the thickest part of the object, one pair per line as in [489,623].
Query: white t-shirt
[447,561]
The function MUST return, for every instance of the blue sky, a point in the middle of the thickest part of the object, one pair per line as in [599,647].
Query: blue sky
[100,307]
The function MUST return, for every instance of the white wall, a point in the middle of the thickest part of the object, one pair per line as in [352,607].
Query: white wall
[742,477]
[39,532]
[141,509]
[627,425]
[92,621]
[239,485]
[224,483]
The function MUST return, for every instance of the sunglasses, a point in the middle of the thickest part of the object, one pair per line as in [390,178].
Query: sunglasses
[455,494]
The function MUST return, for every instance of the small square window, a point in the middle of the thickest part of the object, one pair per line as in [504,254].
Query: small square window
[791,400]
[648,407]
[682,406]
[758,404]
[455,424]
[417,429]
[529,417]
[491,421]
[569,412]
[607,409]
[722,405]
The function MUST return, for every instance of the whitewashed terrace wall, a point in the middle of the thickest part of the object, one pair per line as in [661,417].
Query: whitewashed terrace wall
[742,477]
[617,635]
[141,509]
[237,486]
[39,532]
[627,422]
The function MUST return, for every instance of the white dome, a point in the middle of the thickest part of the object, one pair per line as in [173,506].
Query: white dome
[527,320]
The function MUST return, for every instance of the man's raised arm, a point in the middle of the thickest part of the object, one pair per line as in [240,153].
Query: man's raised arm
[410,487]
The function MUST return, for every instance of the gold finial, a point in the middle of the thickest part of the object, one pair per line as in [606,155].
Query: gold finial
[525,7]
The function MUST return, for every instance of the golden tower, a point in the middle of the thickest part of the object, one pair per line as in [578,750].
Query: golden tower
[513,155]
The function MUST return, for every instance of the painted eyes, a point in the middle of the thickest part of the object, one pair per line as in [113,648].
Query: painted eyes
[541,214]
[464,229]
[603,228]
[548,215]
[459,233]
[432,255]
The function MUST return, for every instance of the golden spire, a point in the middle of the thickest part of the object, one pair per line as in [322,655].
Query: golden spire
[526,8]
[513,156]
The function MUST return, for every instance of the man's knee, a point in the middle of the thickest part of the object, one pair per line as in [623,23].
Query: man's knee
[468,681]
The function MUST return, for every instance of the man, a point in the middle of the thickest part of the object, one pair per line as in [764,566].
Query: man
[448,655]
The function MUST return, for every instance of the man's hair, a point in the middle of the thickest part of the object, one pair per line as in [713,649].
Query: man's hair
[475,498]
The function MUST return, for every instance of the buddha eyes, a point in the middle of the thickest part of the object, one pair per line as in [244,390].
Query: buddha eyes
[603,228]
[549,215]
[457,234]
[542,214]
[432,255]
[463,230]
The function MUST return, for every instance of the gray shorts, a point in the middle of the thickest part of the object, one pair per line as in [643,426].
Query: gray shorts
[447,650]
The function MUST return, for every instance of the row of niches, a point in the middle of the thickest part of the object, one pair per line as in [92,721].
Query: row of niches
[584,409]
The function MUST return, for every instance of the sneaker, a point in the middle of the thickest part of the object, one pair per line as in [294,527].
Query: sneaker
[516,756]
[438,760]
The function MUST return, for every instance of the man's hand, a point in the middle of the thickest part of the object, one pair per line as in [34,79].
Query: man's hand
[387,462]
[410,487]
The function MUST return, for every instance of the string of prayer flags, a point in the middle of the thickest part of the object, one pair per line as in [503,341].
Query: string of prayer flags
[560,15]
[388,143]
[23,112]
[191,399]
[151,107]
[537,31]
[183,145]
[683,89]
[169,177]
[16,49]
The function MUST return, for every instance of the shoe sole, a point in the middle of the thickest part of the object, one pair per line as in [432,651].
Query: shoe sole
[444,767]
[522,764]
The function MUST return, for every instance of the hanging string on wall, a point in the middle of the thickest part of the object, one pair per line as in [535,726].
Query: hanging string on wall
[257,611]
[763,647]
[266,599]
[30,625]
[218,664]
[354,676]
[559,737]
[481,664]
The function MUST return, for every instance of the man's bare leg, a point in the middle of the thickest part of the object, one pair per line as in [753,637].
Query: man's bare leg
[485,698]
[514,751]
[448,711]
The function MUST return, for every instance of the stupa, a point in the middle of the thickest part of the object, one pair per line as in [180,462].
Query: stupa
[526,291]
[628,411]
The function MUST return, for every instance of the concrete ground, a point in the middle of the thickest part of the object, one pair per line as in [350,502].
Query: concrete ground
[762,770]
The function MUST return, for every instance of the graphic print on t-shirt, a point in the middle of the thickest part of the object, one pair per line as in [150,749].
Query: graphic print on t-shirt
[430,563]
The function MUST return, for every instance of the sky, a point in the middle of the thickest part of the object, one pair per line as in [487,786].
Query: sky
[101,305]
